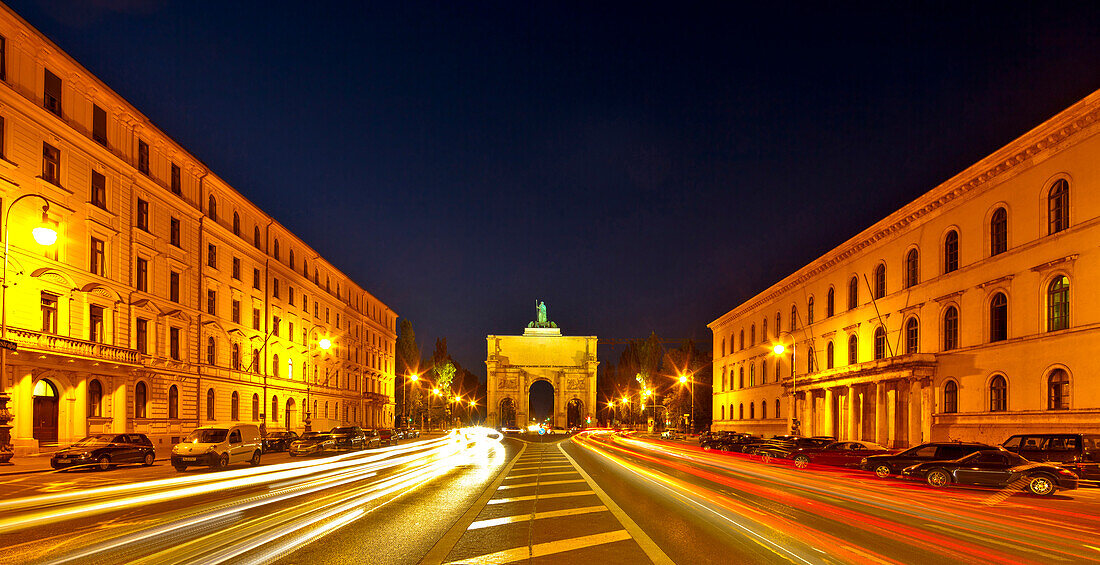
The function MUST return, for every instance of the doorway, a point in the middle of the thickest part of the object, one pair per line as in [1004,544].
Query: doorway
[45,412]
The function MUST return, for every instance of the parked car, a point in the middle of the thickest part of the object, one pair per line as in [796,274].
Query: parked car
[715,440]
[1079,453]
[349,438]
[387,436]
[995,468]
[741,444]
[782,449]
[372,438]
[219,446]
[838,454]
[278,441]
[104,451]
[312,443]
[671,434]
[892,464]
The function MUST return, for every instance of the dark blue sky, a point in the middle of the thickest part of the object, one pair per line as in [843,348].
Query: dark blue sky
[639,167]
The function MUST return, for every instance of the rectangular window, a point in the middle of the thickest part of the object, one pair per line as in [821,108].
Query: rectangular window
[275,288]
[143,157]
[3,136]
[290,331]
[275,325]
[176,182]
[49,313]
[174,286]
[99,125]
[96,252]
[3,58]
[174,343]
[255,318]
[305,303]
[51,164]
[211,256]
[211,302]
[142,278]
[99,190]
[141,333]
[174,232]
[237,268]
[95,324]
[51,95]
[236,311]
[256,279]
[290,295]
[143,214]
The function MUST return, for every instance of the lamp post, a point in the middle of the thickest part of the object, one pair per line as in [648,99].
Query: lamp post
[435,392]
[691,387]
[44,235]
[405,405]
[779,350]
[324,344]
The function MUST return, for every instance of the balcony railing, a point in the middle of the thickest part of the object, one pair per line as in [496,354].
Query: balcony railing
[66,345]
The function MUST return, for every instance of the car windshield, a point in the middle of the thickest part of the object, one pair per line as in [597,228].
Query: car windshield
[209,435]
[312,435]
[94,440]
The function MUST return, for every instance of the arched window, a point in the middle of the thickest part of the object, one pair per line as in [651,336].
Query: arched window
[209,404]
[764,329]
[950,397]
[810,365]
[853,292]
[912,336]
[777,415]
[290,258]
[725,385]
[752,375]
[830,303]
[741,378]
[763,371]
[777,365]
[275,365]
[810,310]
[211,351]
[741,341]
[255,408]
[880,343]
[140,397]
[236,352]
[1058,304]
[1058,206]
[275,249]
[212,208]
[95,398]
[912,268]
[794,318]
[740,411]
[950,328]
[236,224]
[778,325]
[752,410]
[830,353]
[723,411]
[1058,390]
[173,403]
[951,252]
[998,393]
[998,317]
[998,232]
[235,407]
[853,350]
[880,281]
[273,417]
[763,409]
[256,236]
[752,335]
[255,360]
[723,347]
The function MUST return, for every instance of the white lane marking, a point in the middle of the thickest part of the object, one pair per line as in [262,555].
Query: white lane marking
[541,483]
[540,496]
[538,516]
[537,474]
[544,549]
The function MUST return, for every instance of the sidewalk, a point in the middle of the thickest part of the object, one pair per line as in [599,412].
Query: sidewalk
[41,463]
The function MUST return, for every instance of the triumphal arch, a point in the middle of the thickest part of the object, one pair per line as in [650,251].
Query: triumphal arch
[516,362]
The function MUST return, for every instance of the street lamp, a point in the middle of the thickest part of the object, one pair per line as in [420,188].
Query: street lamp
[44,235]
[325,344]
[405,404]
[691,386]
[470,414]
[779,349]
[435,392]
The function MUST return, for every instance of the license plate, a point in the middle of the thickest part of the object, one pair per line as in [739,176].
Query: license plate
[187,458]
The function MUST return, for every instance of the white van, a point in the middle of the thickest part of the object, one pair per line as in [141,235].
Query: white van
[218,446]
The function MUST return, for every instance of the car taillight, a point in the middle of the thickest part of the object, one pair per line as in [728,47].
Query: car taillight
[1067,473]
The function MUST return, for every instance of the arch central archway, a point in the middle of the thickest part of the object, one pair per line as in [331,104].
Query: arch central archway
[45,412]
[541,401]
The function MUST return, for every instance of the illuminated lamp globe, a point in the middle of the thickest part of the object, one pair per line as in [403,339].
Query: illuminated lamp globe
[683,379]
[779,349]
[325,343]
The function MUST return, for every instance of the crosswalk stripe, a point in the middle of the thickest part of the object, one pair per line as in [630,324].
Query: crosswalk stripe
[537,474]
[548,548]
[537,516]
[542,483]
[540,496]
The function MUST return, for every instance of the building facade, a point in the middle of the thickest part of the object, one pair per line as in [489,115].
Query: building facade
[169,300]
[968,314]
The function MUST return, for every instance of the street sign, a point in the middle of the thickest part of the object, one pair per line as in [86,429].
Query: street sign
[7,344]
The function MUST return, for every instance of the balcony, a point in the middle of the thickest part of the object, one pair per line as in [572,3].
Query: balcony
[49,343]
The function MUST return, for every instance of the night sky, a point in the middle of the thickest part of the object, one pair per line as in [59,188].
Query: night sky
[638,167]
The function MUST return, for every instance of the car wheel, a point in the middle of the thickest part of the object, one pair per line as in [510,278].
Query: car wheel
[222,462]
[937,478]
[1040,485]
[291,454]
[180,468]
[103,463]
[765,458]
[706,448]
[255,459]
[149,458]
[882,471]
[801,461]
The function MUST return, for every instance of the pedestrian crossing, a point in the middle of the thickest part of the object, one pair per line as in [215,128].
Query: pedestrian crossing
[545,510]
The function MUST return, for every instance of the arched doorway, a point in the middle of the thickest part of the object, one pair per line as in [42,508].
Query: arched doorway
[290,414]
[508,413]
[541,398]
[574,413]
[45,412]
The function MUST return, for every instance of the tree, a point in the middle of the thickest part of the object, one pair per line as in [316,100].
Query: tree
[407,363]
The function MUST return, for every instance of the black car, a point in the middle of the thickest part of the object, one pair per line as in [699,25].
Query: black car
[104,451]
[387,436]
[783,449]
[742,444]
[278,441]
[349,438]
[892,464]
[995,468]
[1079,453]
[312,443]
[714,440]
